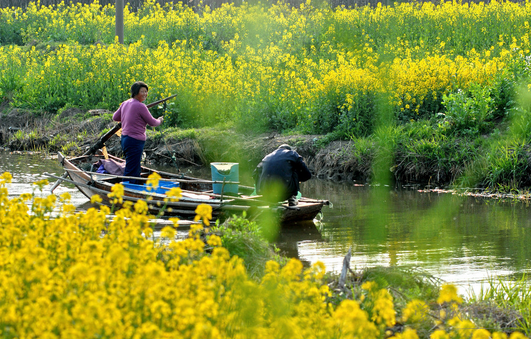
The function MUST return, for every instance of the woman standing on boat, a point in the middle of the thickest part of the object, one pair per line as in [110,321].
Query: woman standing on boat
[135,116]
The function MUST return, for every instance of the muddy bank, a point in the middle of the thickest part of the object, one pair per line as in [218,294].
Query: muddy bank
[73,131]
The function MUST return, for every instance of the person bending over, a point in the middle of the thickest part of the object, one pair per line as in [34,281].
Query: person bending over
[278,175]
[135,116]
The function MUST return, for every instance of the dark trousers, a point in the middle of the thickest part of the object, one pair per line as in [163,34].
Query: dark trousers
[133,149]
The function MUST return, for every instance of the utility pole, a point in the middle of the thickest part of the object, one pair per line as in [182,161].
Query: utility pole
[120,20]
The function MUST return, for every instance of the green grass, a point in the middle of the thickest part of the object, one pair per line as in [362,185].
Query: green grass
[246,239]
[513,296]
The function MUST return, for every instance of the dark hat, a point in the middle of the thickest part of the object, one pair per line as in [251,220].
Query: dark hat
[285,146]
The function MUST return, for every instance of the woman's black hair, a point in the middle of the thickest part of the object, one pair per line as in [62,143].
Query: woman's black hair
[135,88]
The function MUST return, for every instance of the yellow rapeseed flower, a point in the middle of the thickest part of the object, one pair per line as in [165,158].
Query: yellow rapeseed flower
[41,183]
[168,232]
[95,199]
[448,294]
[214,240]
[141,207]
[175,221]
[65,197]
[153,181]
[415,311]
[174,193]
[383,309]
[439,334]
[481,334]
[408,333]
[369,286]
[117,193]
[272,267]
[6,177]
[204,213]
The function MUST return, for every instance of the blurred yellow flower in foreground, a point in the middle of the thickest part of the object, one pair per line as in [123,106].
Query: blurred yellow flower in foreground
[448,294]
[110,275]
[95,199]
[203,212]
[117,193]
[174,193]
[153,181]
[6,177]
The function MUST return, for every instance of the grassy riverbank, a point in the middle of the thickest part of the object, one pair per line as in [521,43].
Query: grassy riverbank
[419,92]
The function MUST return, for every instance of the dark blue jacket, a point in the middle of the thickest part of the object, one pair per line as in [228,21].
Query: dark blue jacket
[281,166]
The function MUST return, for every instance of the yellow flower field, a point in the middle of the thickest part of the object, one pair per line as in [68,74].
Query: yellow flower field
[81,275]
[312,68]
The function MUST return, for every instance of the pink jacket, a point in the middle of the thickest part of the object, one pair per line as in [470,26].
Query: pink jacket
[134,116]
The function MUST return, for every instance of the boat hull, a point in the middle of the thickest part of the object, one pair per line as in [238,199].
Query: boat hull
[195,192]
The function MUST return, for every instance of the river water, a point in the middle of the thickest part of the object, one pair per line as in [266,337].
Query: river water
[461,240]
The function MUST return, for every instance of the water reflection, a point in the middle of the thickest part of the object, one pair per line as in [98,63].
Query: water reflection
[462,240]
[297,234]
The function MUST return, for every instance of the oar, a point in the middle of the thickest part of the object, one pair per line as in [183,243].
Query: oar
[101,142]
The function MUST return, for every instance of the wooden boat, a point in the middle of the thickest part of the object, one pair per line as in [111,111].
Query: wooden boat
[195,191]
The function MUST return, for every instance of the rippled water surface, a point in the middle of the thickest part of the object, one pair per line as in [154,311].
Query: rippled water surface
[462,240]
[29,168]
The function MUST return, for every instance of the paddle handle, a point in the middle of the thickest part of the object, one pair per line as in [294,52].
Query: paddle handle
[101,142]
[160,101]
